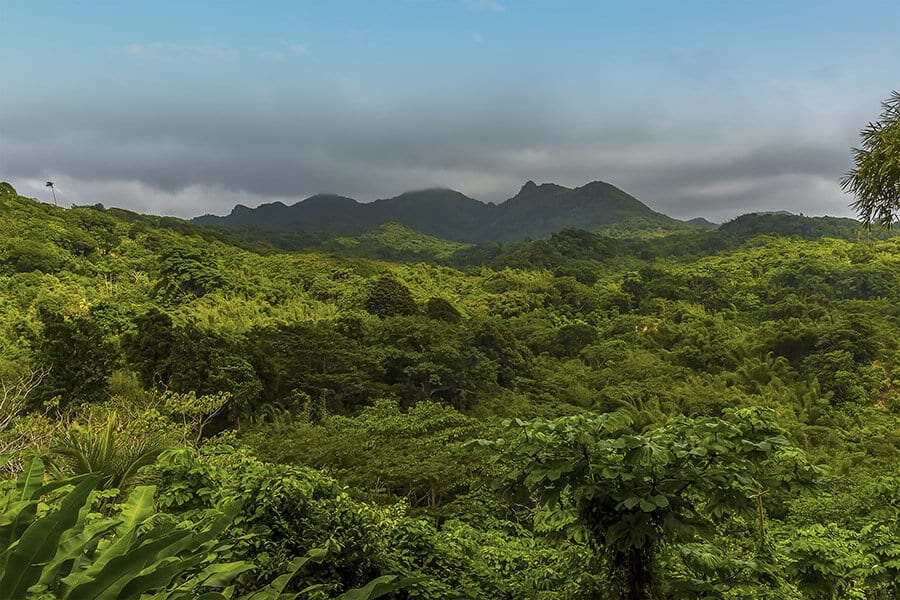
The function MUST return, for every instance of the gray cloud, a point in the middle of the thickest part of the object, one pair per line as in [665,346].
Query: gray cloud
[164,153]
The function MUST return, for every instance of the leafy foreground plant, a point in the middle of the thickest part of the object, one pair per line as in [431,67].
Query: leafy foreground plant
[67,552]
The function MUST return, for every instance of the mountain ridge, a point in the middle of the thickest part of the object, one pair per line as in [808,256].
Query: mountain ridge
[536,211]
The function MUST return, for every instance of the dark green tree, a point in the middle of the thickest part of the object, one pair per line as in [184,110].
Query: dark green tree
[148,348]
[316,359]
[26,255]
[440,309]
[78,355]
[571,338]
[390,298]
[495,339]
[424,359]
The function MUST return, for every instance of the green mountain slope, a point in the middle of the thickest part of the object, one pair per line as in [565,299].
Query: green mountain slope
[539,210]
[395,242]
[787,224]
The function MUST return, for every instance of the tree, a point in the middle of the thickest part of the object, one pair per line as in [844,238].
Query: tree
[390,298]
[187,272]
[148,348]
[629,495]
[875,178]
[52,190]
[434,360]
[441,310]
[418,454]
[78,357]
[194,412]
[315,359]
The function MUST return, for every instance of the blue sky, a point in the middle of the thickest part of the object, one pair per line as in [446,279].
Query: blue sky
[698,108]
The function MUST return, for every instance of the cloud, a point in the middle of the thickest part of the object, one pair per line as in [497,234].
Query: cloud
[161,153]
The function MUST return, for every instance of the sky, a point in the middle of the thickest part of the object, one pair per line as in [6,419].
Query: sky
[698,108]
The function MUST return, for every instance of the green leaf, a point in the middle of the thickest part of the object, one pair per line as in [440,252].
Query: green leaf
[39,542]
[378,587]
[631,502]
[660,501]
[276,587]
[108,582]
[137,508]
[30,480]
[221,574]
[160,575]
[72,546]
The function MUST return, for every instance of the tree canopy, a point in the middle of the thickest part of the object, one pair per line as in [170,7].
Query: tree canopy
[664,399]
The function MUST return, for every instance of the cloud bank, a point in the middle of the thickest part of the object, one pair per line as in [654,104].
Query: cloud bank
[161,153]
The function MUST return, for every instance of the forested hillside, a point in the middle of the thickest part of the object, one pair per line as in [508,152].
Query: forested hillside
[710,414]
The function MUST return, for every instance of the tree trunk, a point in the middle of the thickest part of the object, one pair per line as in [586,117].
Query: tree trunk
[640,573]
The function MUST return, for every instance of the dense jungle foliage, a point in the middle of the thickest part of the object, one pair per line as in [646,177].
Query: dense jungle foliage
[710,414]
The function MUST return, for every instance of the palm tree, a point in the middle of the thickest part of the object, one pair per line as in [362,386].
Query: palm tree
[53,190]
[875,177]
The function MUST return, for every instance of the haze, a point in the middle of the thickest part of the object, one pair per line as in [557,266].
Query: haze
[697,108]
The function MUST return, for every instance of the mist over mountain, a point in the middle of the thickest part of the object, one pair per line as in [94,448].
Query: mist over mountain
[535,211]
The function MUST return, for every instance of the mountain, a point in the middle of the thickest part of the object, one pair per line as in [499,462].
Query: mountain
[702,222]
[315,213]
[535,212]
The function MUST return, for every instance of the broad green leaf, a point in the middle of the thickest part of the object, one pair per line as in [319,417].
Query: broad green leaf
[631,502]
[221,574]
[30,479]
[106,583]
[378,587]
[72,545]
[137,508]
[39,542]
[276,587]
[159,576]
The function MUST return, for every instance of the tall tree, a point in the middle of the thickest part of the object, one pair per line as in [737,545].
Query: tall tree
[875,178]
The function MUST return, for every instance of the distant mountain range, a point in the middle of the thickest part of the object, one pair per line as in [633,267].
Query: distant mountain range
[535,212]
